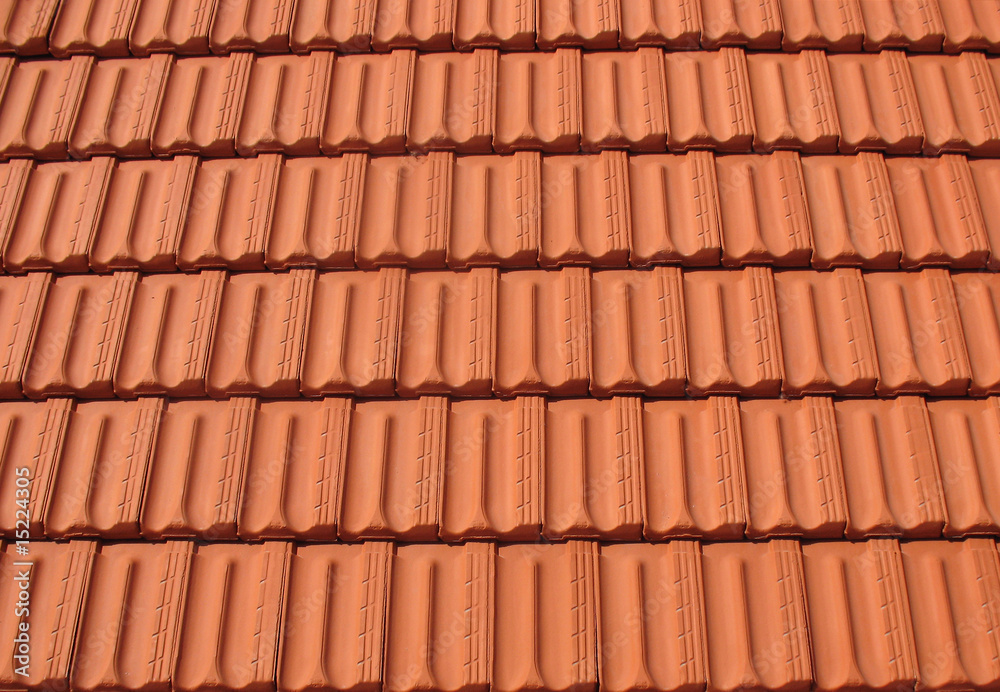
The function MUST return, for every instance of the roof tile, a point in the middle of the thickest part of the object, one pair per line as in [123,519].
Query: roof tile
[179,27]
[915,25]
[970,25]
[92,26]
[978,297]
[347,27]
[24,26]
[424,24]
[14,176]
[664,23]
[258,25]
[624,104]
[21,300]
[495,24]
[590,25]
[454,102]
[821,24]
[741,23]
[540,101]
[986,176]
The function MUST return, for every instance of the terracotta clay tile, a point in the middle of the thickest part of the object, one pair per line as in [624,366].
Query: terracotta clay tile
[392,480]
[21,300]
[624,105]
[441,595]
[591,24]
[14,177]
[978,297]
[24,26]
[890,468]
[229,216]
[92,26]
[826,334]
[492,481]
[755,614]
[859,615]
[78,339]
[406,211]
[560,639]
[201,106]
[795,482]
[176,27]
[915,25]
[285,103]
[675,209]
[876,102]
[918,335]
[543,332]
[793,102]
[236,644]
[764,214]
[127,634]
[165,346]
[956,592]
[196,470]
[349,655]
[958,102]
[324,24]
[58,575]
[294,473]
[316,212]
[454,102]
[585,210]
[638,332]
[970,25]
[966,434]
[539,107]
[448,333]
[258,25]
[352,339]
[424,24]
[257,342]
[33,436]
[499,219]
[495,24]
[693,481]
[660,647]
[660,23]
[851,210]
[144,210]
[39,105]
[708,100]
[732,332]
[986,176]
[821,24]
[741,23]
[98,482]
[594,464]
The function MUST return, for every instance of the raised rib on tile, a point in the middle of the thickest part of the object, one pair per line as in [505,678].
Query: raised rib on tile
[876,103]
[229,216]
[285,103]
[257,341]
[454,102]
[59,574]
[859,615]
[353,334]
[638,332]
[978,298]
[755,615]
[986,177]
[495,24]
[795,481]
[851,210]
[99,27]
[793,102]
[395,460]
[764,214]
[585,210]
[21,300]
[624,105]
[539,106]
[559,638]
[178,27]
[24,26]
[130,616]
[665,23]
[441,595]
[918,334]
[427,25]
[741,23]
[970,25]
[39,105]
[492,482]
[890,468]
[346,27]
[835,26]
[708,100]
[245,585]
[369,103]
[543,332]
[260,26]
[196,470]
[165,346]
[201,106]
[826,333]
[343,584]
[693,482]
[78,339]
[911,24]
[295,469]
[592,25]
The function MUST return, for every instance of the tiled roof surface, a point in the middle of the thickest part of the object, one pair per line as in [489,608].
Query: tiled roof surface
[500,345]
